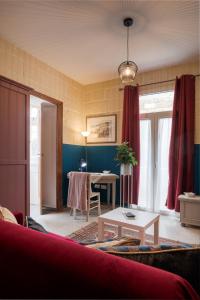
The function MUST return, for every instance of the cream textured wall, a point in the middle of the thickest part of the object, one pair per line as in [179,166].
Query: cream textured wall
[105,97]
[20,66]
[78,100]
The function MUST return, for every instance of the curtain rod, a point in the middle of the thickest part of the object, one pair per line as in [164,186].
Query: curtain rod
[164,81]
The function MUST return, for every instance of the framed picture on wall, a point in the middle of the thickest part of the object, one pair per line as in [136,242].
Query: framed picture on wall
[102,129]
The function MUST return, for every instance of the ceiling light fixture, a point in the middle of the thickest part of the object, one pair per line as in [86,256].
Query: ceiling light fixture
[128,69]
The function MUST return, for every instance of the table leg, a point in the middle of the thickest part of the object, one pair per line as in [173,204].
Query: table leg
[123,183]
[100,230]
[113,194]
[142,237]
[120,182]
[108,193]
[156,231]
[119,231]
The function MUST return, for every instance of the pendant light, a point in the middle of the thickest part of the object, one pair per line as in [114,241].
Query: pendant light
[128,69]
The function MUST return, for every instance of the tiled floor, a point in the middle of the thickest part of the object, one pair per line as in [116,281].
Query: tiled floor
[64,224]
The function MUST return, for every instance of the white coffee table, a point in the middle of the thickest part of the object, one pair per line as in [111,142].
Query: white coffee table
[140,223]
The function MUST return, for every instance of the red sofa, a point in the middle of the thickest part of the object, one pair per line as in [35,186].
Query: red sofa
[38,265]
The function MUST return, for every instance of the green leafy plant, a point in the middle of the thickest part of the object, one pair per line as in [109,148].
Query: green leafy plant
[125,155]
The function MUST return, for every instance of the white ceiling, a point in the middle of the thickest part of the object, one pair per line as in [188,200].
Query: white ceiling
[87,41]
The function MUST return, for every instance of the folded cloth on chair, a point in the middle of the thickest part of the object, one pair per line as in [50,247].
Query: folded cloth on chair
[77,191]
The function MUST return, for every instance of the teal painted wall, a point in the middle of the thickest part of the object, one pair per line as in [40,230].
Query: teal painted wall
[102,158]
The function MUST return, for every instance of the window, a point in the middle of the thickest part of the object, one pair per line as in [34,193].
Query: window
[155,132]
[158,102]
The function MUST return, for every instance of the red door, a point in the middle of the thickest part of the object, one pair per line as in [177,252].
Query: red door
[14,146]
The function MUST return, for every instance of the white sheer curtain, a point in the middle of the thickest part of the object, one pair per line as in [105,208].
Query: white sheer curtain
[155,133]
[162,176]
[145,199]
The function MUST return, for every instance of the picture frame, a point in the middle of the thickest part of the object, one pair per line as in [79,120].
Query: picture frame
[102,129]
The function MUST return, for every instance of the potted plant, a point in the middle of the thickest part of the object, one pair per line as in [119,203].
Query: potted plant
[126,158]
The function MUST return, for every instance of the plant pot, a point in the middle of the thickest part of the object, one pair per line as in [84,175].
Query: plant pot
[126,169]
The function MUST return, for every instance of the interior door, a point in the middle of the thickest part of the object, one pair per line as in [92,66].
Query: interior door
[14,148]
[49,155]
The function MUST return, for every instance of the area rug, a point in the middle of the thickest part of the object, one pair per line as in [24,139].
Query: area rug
[90,232]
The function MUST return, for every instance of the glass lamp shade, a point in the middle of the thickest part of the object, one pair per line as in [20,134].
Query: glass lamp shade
[83,163]
[127,71]
[85,133]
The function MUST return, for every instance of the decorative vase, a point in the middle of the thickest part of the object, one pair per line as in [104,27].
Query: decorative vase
[126,169]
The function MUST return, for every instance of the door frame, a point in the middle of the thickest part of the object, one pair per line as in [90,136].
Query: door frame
[59,139]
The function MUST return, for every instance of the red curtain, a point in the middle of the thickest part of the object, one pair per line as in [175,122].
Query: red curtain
[181,152]
[131,132]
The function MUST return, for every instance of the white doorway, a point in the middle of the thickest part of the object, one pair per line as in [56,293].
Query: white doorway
[43,156]
[35,156]
[155,133]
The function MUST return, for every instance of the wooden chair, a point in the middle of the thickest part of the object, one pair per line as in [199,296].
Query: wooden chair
[93,200]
